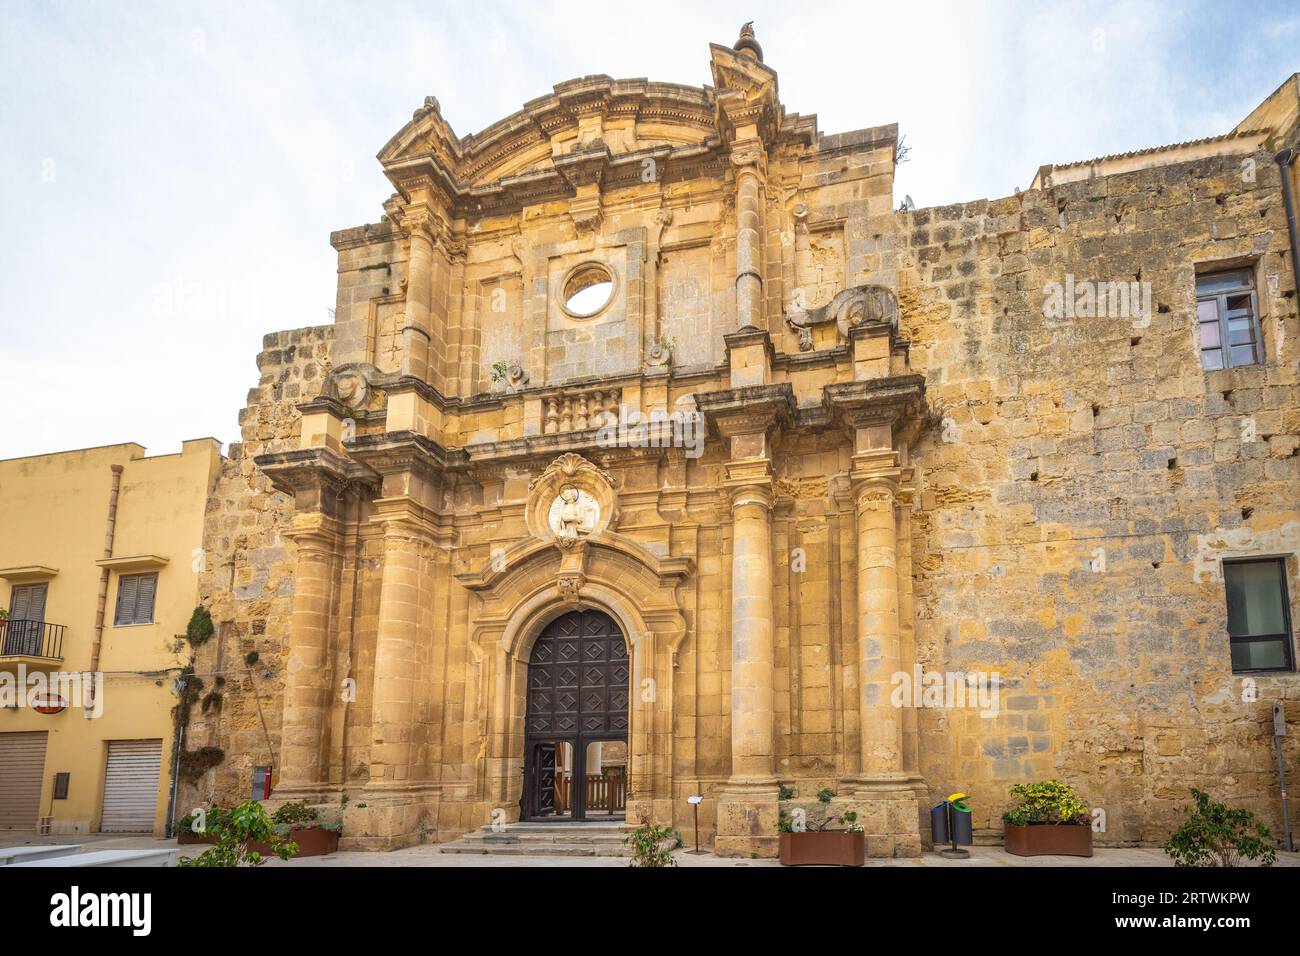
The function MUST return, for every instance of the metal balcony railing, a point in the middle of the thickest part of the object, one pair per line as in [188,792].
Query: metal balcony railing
[20,638]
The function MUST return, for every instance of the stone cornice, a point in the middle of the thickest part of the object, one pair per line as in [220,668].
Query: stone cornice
[402,450]
[875,401]
[755,408]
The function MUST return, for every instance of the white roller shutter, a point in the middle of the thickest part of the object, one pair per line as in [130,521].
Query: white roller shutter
[22,766]
[131,786]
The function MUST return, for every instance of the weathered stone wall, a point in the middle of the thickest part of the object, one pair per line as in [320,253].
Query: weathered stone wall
[247,584]
[1073,444]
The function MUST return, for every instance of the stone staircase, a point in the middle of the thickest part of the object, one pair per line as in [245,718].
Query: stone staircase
[545,839]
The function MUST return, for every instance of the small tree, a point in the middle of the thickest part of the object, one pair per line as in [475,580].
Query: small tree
[647,842]
[246,823]
[1217,835]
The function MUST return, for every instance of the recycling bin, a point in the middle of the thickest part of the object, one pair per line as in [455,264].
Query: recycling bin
[962,830]
[939,822]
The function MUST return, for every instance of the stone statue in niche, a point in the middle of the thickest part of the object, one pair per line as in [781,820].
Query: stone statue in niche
[573,515]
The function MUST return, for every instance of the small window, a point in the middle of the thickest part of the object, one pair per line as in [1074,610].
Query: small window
[135,594]
[1228,316]
[1259,617]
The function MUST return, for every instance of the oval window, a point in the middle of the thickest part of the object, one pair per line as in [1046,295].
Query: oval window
[587,289]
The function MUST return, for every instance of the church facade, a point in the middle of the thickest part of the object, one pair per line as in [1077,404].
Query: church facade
[653,453]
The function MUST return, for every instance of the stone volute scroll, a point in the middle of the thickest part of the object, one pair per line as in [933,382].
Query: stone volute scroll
[353,385]
[570,501]
[859,305]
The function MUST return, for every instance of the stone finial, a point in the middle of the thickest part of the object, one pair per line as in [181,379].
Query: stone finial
[747,43]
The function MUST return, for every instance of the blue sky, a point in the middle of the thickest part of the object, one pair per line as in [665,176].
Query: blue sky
[170,172]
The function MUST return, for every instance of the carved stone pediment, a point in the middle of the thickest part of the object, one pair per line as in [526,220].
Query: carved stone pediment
[859,305]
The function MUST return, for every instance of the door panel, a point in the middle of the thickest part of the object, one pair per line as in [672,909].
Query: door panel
[577,692]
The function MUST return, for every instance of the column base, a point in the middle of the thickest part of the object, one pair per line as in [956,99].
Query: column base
[748,820]
[889,811]
[389,817]
[311,794]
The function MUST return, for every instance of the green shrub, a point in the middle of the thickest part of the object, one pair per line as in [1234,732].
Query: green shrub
[1048,801]
[294,814]
[647,842]
[247,823]
[1216,835]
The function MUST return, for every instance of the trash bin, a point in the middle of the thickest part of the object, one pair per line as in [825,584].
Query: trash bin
[962,830]
[939,823]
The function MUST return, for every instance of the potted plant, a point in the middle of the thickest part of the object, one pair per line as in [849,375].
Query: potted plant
[201,826]
[302,825]
[1217,835]
[245,835]
[1049,820]
[818,845]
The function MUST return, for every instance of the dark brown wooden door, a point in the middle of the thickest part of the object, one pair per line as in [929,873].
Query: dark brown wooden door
[577,693]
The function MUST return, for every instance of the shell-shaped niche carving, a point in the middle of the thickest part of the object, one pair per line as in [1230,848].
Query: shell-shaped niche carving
[571,500]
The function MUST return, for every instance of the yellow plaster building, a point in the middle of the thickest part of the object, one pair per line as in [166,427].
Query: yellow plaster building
[100,554]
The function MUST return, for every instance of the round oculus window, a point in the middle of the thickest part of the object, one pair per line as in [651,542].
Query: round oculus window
[587,290]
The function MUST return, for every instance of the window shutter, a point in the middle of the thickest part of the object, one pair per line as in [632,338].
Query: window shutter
[144,598]
[28,603]
[126,590]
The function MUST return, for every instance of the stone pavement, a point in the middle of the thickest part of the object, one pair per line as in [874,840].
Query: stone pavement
[429,855]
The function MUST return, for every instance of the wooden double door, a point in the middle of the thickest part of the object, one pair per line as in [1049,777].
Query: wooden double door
[578,692]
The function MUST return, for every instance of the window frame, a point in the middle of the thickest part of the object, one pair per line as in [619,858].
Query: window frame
[135,602]
[1287,639]
[1220,297]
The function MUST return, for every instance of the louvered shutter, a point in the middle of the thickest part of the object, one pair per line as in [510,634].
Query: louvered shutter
[22,765]
[126,587]
[144,595]
[28,603]
[131,786]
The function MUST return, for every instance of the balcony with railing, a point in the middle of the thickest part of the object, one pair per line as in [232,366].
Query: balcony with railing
[36,642]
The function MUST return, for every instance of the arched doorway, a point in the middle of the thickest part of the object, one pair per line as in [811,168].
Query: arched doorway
[576,720]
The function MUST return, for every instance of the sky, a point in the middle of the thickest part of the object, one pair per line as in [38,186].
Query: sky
[170,172]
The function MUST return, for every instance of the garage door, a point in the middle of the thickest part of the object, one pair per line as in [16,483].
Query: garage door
[22,765]
[131,786]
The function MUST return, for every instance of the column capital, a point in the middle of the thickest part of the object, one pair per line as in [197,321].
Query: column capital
[750,482]
[314,531]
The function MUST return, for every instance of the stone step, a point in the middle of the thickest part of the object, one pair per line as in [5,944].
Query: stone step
[534,849]
[545,839]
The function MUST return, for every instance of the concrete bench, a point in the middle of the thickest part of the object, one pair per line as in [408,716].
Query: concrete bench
[22,854]
[108,858]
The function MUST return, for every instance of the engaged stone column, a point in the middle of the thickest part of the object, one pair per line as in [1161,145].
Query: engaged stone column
[395,654]
[753,718]
[419,298]
[879,642]
[308,688]
[748,159]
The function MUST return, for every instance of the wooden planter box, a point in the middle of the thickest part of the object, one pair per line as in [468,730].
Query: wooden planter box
[823,848]
[312,841]
[1049,839]
[190,838]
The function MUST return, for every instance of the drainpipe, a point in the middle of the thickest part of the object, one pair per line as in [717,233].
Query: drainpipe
[109,531]
[1284,160]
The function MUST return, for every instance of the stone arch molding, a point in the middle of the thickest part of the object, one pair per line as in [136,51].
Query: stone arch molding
[534,582]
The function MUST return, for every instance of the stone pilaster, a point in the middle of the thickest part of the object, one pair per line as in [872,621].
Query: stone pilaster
[747,811]
[419,296]
[309,690]
[749,159]
[884,792]
[747,417]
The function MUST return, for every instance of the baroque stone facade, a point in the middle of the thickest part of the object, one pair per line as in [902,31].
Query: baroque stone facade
[905,464]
